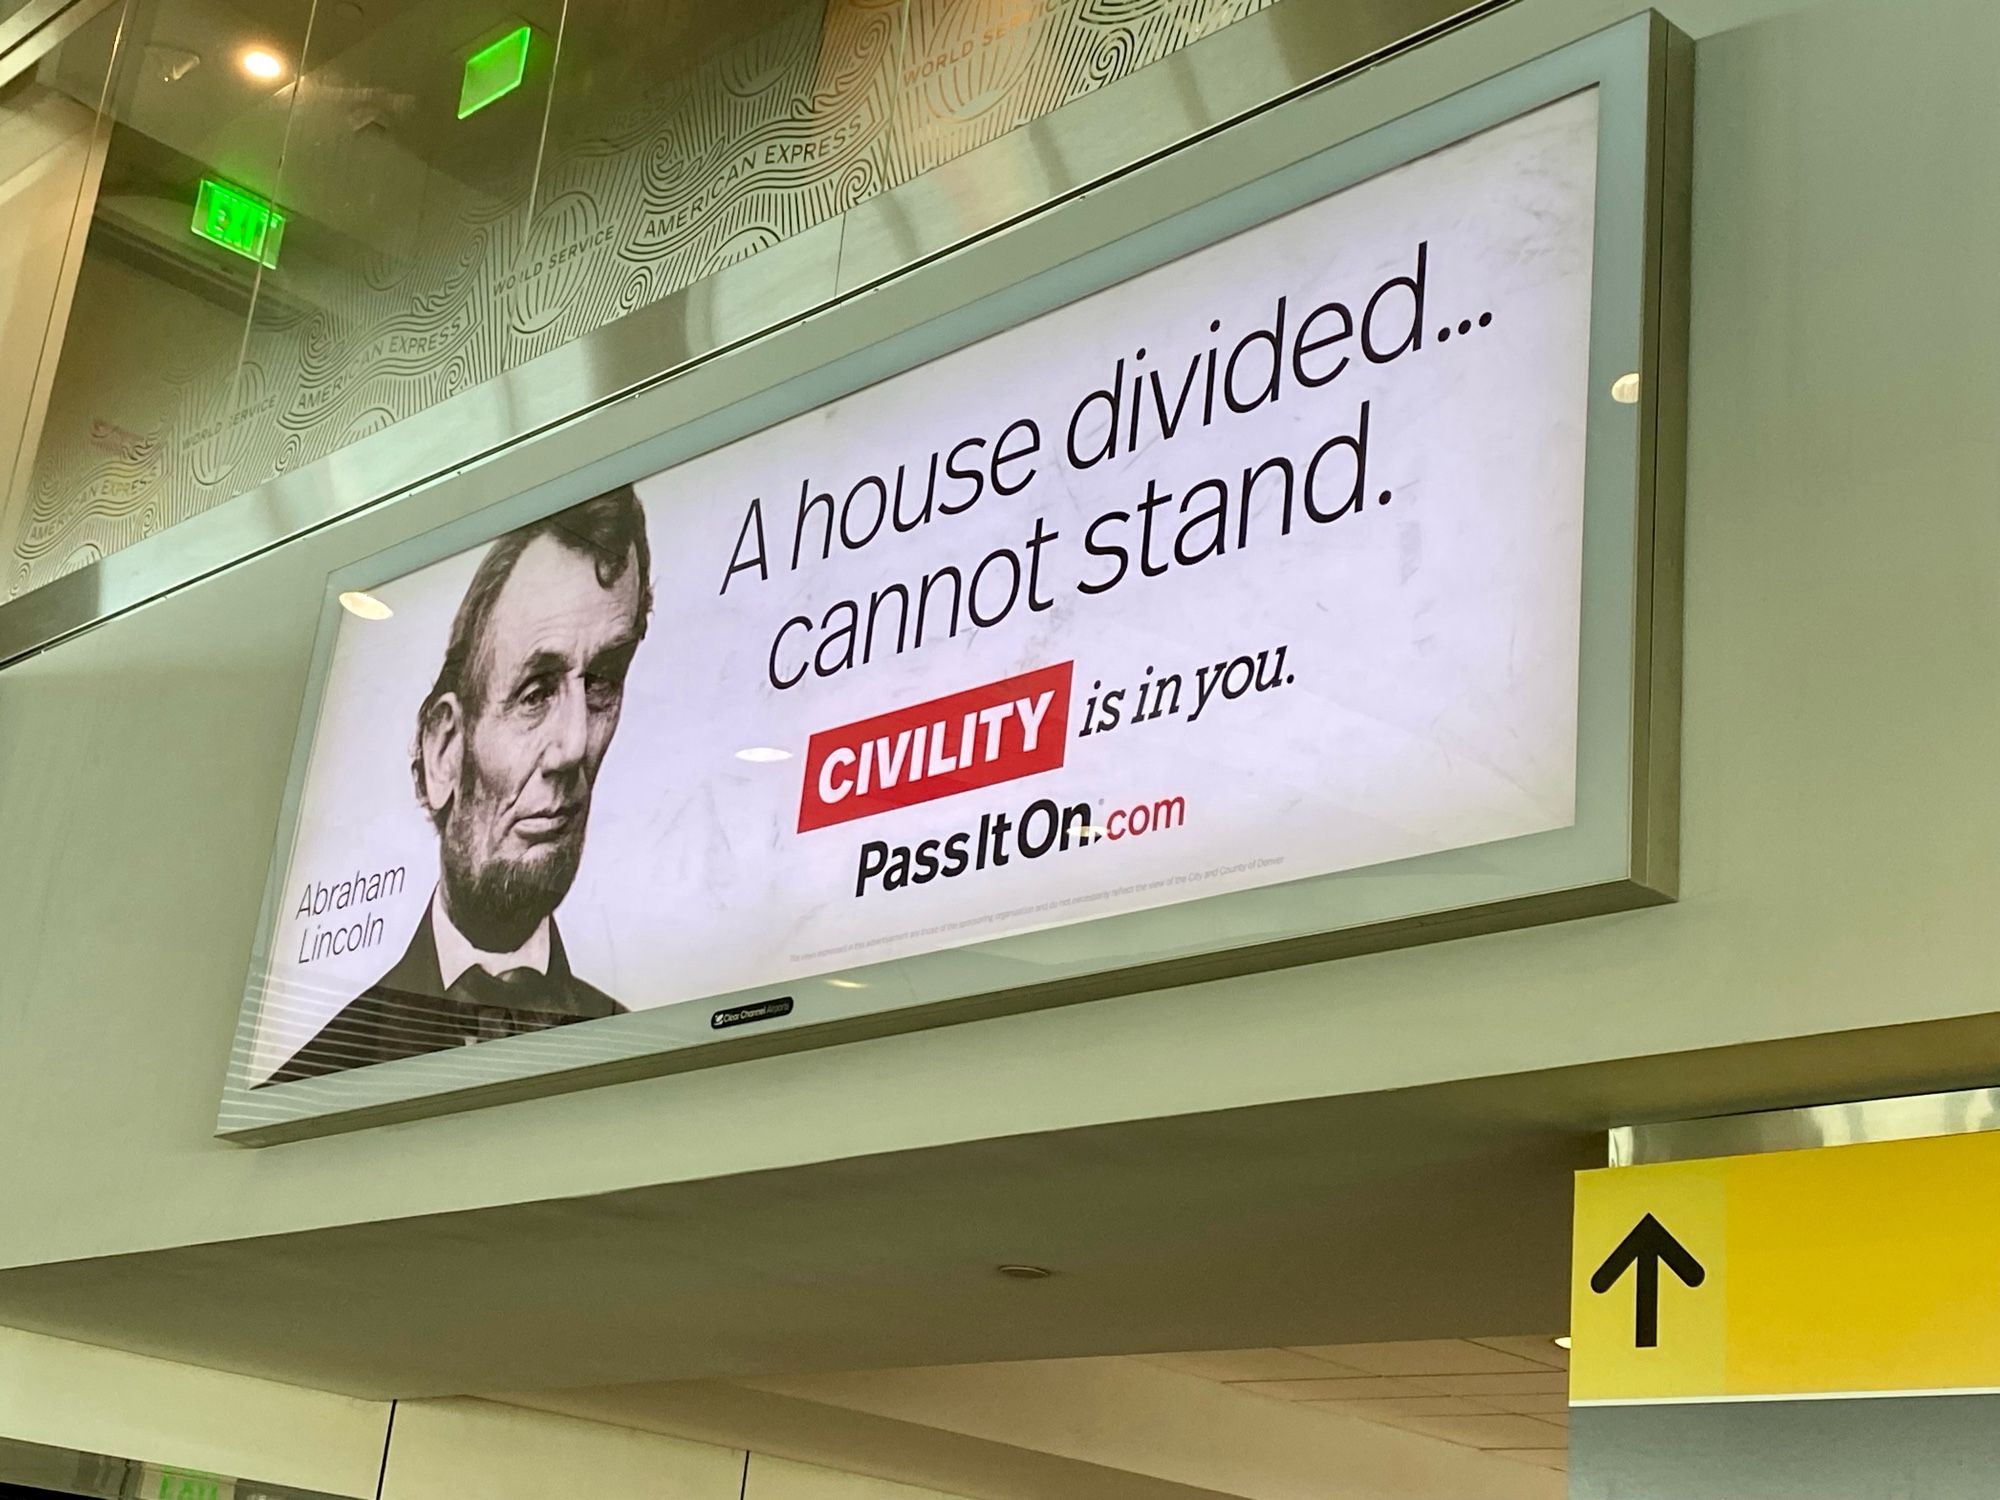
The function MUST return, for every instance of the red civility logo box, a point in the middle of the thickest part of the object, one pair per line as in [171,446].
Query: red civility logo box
[999,732]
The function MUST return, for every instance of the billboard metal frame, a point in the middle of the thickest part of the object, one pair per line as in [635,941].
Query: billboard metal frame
[1622,851]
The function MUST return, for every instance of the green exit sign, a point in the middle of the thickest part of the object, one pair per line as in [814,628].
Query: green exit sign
[157,1482]
[494,71]
[238,221]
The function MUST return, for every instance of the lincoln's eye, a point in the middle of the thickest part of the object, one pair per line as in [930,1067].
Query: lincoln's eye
[536,693]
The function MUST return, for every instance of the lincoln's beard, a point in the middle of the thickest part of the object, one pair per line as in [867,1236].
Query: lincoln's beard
[497,901]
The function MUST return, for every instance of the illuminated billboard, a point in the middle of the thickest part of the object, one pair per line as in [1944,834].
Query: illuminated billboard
[1116,635]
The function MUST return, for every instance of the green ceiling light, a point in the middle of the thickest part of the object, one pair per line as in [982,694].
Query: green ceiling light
[240,222]
[494,71]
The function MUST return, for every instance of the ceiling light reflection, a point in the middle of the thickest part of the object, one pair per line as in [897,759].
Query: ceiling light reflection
[364,606]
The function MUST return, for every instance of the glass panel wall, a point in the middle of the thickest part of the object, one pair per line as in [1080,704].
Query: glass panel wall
[299,222]
[51,160]
[191,133]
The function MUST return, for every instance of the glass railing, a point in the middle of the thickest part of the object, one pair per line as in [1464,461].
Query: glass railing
[238,240]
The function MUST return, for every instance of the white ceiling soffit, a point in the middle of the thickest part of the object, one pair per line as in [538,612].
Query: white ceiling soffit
[1505,1396]
[1086,1429]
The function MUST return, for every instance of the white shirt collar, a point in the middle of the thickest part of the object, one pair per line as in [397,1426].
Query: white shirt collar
[456,953]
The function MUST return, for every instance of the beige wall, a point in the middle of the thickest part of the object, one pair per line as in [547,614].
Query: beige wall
[501,1453]
[72,1396]
[96,1401]
[1841,734]
[1079,1429]
[1082,1430]
[1131,1416]
[498,1452]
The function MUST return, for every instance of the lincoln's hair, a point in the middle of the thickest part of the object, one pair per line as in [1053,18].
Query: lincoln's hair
[609,529]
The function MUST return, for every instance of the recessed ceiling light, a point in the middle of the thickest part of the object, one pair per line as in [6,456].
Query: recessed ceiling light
[847,984]
[1561,1343]
[261,63]
[763,755]
[1025,1273]
[1625,389]
[367,606]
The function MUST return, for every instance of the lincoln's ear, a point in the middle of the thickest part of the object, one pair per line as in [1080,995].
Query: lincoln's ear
[443,751]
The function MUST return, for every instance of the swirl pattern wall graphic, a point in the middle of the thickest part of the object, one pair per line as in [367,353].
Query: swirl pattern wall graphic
[443,281]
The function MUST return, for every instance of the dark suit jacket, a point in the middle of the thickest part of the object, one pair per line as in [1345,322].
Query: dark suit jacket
[408,1012]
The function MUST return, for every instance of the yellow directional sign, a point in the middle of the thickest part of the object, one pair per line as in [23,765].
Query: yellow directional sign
[1866,1269]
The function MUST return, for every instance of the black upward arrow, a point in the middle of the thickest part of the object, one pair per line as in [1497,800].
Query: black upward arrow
[1648,1246]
